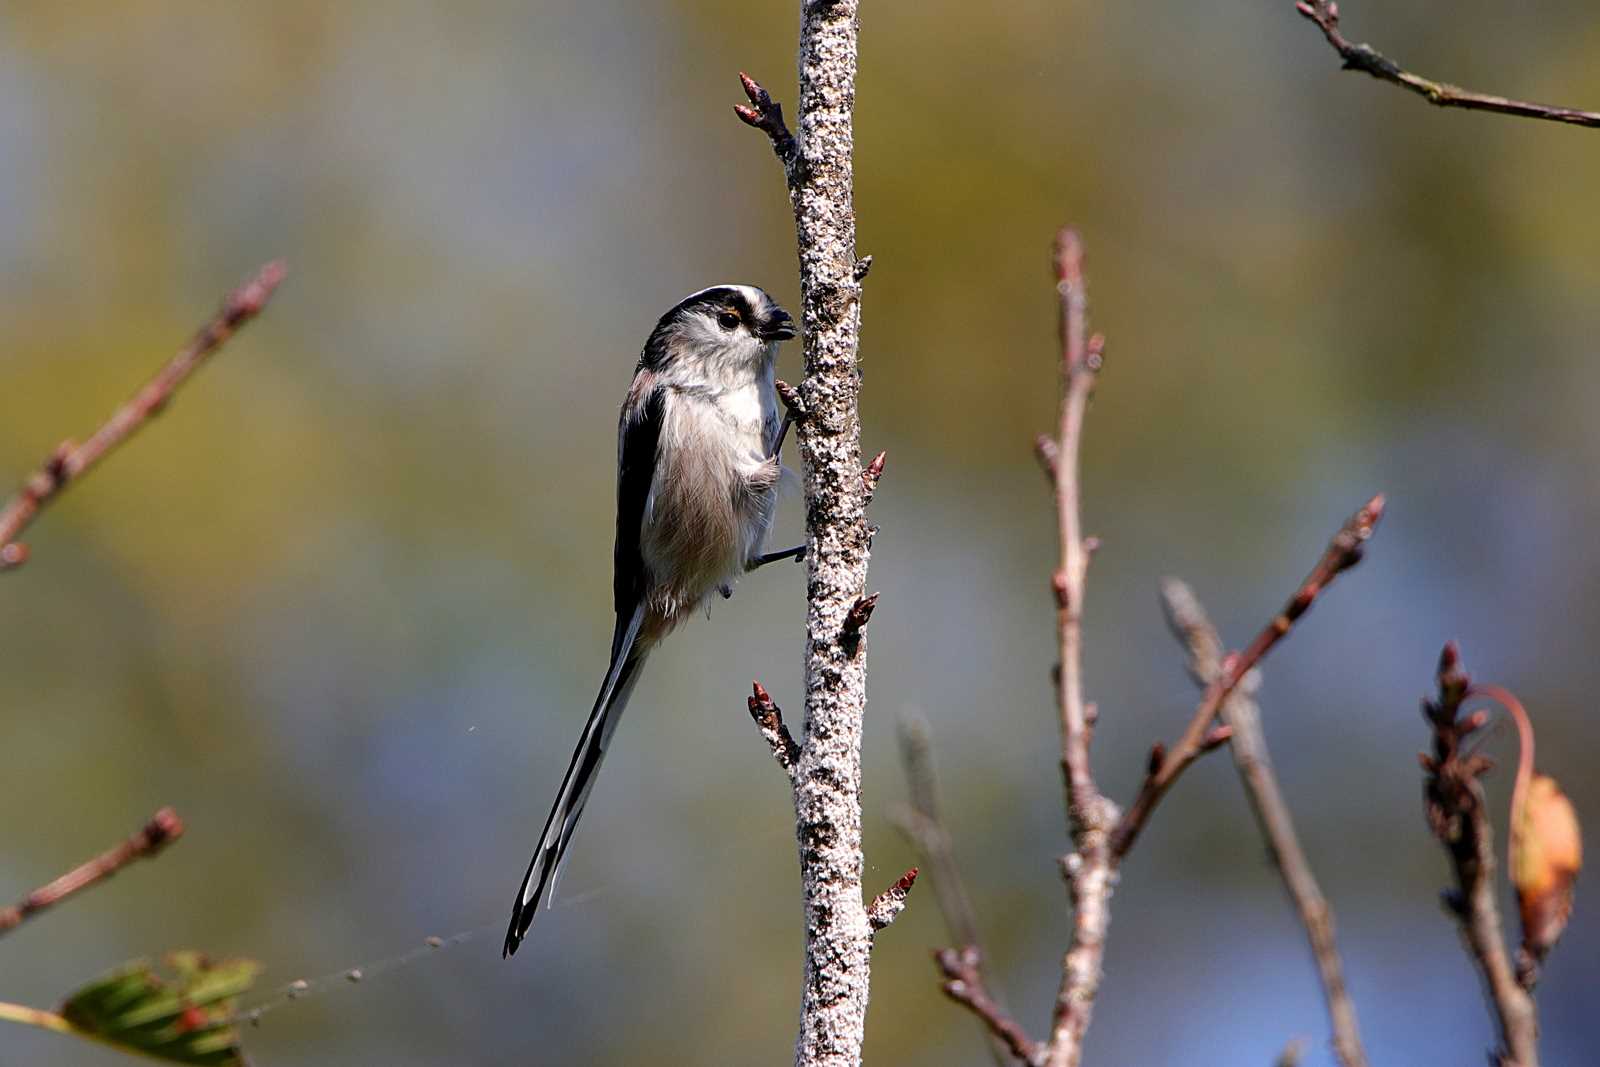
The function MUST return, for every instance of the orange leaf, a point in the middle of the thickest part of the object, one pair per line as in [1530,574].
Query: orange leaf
[1546,856]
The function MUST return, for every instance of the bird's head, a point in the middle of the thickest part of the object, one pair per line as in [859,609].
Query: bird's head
[726,330]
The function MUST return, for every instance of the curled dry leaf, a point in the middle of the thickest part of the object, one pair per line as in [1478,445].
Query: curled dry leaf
[1546,856]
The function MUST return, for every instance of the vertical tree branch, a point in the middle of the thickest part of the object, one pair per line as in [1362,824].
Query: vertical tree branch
[1091,818]
[1456,811]
[1249,746]
[71,461]
[1102,834]
[827,781]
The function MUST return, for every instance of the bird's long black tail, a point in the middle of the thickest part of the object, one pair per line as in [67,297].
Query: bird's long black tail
[626,660]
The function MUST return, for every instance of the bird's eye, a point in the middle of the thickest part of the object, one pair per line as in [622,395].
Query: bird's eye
[728,320]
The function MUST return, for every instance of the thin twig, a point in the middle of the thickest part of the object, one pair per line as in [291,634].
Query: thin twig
[769,719]
[1459,818]
[964,984]
[1544,907]
[1343,552]
[1365,58]
[71,461]
[1088,869]
[1194,631]
[1079,368]
[44,1020]
[163,828]
[922,823]
[766,115]
[887,905]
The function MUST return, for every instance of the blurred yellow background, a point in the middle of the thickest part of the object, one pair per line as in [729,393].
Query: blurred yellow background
[345,605]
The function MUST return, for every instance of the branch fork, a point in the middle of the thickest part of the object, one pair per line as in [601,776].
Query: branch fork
[1100,832]
[766,114]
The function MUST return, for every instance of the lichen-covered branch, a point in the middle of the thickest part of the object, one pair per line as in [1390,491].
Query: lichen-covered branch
[827,775]
[1456,812]
[1248,744]
[1368,60]
[163,828]
[71,461]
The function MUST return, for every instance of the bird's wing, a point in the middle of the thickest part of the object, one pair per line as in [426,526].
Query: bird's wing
[638,435]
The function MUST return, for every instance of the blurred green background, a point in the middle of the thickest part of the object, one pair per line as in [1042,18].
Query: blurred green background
[346,604]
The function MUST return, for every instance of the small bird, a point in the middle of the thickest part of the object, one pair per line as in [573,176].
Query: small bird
[697,482]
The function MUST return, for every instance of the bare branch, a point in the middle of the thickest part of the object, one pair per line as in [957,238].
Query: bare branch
[1078,370]
[1091,817]
[1101,834]
[163,828]
[769,719]
[71,461]
[1343,552]
[1365,58]
[1194,631]
[922,823]
[1457,815]
[963,971]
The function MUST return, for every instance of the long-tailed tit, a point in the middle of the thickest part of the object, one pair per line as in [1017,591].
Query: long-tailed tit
[697,480]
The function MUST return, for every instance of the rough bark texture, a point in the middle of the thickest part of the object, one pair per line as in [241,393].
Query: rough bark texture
[827,773]
[827,793]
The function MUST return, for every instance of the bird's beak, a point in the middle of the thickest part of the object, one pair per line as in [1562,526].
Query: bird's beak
[778,327]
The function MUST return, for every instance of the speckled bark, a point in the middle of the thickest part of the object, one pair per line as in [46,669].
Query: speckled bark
[827,789]
[826,772]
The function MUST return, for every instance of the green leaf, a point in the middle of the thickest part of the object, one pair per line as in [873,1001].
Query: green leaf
[181,1017]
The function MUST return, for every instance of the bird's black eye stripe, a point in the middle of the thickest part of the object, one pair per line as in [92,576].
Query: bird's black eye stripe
[728,320]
